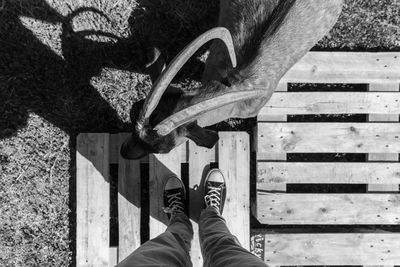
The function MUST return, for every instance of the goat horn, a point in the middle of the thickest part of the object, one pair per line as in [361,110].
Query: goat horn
[169,73]
[224,97]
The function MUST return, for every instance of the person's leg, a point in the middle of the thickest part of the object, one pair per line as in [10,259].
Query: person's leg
[218,245]
[171,248]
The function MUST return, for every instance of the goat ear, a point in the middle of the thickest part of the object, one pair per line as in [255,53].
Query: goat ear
[133,149]
[201,136]
[156,63]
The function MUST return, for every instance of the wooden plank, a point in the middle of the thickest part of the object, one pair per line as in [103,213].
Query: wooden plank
[114,148]
[199,164]
[346,67]
[280,89]
[284,209]
[273,156]
[129,204]
[329,137]
[185,152]
[388,156]
[161,167]
[326,172]
[234,162]
[113,256]
[328,249]
[331,103]
[93,200]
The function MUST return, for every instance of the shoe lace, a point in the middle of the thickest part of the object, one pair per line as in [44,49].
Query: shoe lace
[175,204]
[213,197]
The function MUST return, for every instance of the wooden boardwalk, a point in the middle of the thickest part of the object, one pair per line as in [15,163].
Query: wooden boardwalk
[331,228]
[95,153]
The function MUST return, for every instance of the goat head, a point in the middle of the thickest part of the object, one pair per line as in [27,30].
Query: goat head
[241,72]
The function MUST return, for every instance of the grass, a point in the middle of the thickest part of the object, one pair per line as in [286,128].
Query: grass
[365,26]
[55,82]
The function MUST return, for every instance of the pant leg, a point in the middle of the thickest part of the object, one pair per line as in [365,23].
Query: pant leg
[219,246]
[171,248]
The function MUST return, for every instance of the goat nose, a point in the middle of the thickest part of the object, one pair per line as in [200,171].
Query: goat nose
[133,149]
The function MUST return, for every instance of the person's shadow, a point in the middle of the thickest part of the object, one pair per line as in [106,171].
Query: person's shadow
[58,85]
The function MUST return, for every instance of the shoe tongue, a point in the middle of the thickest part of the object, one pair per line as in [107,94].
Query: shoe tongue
[215,184]
[173,191]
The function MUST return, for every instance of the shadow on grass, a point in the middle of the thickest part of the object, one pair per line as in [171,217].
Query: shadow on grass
[33,78]
[36,79]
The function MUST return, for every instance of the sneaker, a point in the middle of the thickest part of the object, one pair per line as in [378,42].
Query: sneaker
[214,190]
[174,196]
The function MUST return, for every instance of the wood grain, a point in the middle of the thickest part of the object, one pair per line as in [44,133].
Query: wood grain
[199,164]
[282,87]
[345,67]
[234,162]
[327,172]
[331,103]
[161,167]
[113,256]
[284,209]
[93,200]
[329,137]
[387,156]
[129,204]
[336,248]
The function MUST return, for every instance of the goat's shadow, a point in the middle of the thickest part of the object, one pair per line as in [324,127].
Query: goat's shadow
[33,78]
[57,87]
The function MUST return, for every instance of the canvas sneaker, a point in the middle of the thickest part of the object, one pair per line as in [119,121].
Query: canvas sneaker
[215,190]
[174,196]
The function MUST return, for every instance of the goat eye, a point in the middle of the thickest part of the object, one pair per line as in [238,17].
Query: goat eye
[156,117]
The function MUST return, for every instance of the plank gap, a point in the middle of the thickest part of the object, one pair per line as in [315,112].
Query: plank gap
[328,118]
[114,205]
[326,188]
[145,210]
[326,157]
[327,87]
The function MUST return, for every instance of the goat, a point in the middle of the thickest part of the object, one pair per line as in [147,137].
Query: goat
[256,43]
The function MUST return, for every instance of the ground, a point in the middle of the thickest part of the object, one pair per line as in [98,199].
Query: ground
[76,66]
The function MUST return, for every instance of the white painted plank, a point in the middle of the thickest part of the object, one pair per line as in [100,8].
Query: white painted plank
[161,167]
[329,137]
[284,209]
[328,249]
[346,67]
[93,200]
[199,164]
[327,172]
[129,204]
[331,103]
[234,162]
